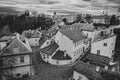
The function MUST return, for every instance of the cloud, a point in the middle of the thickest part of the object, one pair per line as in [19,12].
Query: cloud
[8,10]
[63,6]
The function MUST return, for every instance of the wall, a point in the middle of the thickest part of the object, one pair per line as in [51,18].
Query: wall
[104,50]
[18,70]
[26,60]
[2,45]
[22,70]
[49,59]
[18,67]
[65,43]
[60,62]
[90,34]
[34,41]
[77,75]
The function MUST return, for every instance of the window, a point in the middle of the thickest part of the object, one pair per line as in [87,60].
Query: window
[80,78]
[77,51]
[21,59]
[87,34]
[57,62]
[47,43]
[111,30]
[35,39]
[15,45]
[75,44]
[105,44]
[57,41]
[43,56]
[98,52]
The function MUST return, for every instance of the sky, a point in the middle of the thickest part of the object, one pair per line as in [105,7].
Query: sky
[62,6]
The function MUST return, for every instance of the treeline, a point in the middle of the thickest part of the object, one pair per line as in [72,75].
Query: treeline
[109,19]
[25,22]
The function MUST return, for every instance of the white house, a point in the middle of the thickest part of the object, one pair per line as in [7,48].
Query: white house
[53,55]
[33,37]
[72,41]
[104,46]
[16,57]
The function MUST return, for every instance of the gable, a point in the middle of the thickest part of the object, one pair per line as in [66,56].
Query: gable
[16,47]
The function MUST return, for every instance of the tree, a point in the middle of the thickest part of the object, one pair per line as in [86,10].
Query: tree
[78,18]
[88,18]
[114,20]
[65,20]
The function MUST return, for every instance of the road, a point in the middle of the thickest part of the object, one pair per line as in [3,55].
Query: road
[45,71]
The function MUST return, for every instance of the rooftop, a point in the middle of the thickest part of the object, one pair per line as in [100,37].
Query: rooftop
[32,34]
[61,55]
[99,59]
[80,26]
[103,37]
[50,49]
[73,34]
[6,38]
[87,70]
[20,46]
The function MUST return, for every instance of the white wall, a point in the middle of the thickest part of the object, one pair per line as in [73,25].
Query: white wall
[65,43]
[77,75]
[34,41]
[90,34]
[60,62]
[18,67]
[26,60]
[2,45]
[22,70]
[104,50]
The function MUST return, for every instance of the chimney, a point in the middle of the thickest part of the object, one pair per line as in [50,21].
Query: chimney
[65,54]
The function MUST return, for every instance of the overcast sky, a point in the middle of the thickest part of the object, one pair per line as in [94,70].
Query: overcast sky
[63,6]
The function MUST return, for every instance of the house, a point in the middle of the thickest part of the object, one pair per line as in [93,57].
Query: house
[33,37]
[85,71]
[88,29]
[4,40]
[102,62]
[53,55]
[16,57]
[72,41]
[105,46]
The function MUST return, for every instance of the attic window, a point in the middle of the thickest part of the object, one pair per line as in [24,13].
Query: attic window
[15,45]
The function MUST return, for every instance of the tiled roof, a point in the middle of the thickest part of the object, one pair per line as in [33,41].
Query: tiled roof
[99,59]
[21,48]
[59,55]
[80,26]
[87,70]
[50,49]
[73,34]
[32,34]
[6,38]
[42,40]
